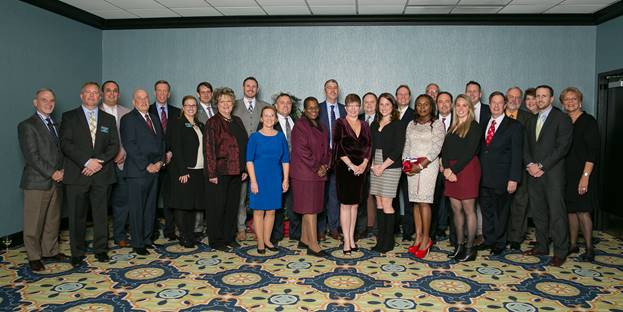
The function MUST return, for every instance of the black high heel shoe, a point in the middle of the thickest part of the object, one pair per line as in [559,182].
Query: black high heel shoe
[470,255]
[301,245]
[261,251]
[320,253]
[588,255]
[346,252]
[459,251]
[354,249]
[274,248]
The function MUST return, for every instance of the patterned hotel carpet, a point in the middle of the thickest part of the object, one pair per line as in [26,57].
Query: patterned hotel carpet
[179,279]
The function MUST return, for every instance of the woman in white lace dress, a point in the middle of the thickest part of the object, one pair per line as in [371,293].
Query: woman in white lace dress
[424,139]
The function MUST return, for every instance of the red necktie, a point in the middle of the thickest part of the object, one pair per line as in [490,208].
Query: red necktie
[163,119]
[150,125]
[490,132]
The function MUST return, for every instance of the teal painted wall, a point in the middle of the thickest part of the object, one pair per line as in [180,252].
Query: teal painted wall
[610,45]
[39,49]
[300,59]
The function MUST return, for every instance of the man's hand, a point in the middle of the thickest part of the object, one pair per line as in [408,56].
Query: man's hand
[57,176]
[120,158]
[511,187]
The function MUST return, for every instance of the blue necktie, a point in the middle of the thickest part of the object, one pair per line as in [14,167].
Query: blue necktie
[332,124]
[51,129]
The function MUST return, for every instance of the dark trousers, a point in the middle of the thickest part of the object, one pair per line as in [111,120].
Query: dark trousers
[495,206]
[362,211]
[185,221]
[408,225]
[79,198]
[518,220]
[330,217]
[164,188]
[142,205]
[441,210]
[294,220]
[119,203]
[222,218]
[549,214]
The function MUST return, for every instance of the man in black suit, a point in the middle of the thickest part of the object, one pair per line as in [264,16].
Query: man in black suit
[41,181]
[442,210]
[501,163]
[164,112]
[401,201]
[518,219]
[366,214]
[143,140]
[90,142]
[330,111]
[547,141]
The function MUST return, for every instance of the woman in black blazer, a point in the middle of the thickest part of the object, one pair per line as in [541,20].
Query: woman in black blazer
[187,180]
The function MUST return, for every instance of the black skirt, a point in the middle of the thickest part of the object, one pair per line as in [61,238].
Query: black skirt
[349,187]
[190,195]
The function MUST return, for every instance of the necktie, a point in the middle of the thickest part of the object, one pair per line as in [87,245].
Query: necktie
[210,113]
[163,119]
[443,120]
[331,124]
[369,120]
[92,126]
[288,132]
[250,107]
[539,125]
[150,125]
[512,115]
[490,132]
[51,129]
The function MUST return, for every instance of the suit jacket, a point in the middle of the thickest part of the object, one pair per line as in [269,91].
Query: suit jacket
[250,121]
[222,153]
[523,117]
[501,160]
[121,111]
[42,154]
[485,113]
[184,145]
[202,115]
[407,117]
[310,150]
[552,146]
[142,145]
[323,117]
[77,147]
[173,113]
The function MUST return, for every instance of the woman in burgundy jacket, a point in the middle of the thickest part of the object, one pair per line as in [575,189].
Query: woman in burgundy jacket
[225,143]
[309,161]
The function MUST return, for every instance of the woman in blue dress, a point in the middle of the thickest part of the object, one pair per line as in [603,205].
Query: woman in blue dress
[268,166]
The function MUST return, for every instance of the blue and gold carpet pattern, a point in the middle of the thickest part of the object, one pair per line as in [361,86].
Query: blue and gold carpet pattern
[177,279]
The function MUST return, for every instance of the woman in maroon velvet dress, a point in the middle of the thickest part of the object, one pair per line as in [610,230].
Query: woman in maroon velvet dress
[351,153]
[309,162]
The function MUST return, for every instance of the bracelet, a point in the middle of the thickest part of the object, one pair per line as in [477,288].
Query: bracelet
[420,166]
[586,174]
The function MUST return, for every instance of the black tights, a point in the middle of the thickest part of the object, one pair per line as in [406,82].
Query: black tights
[467,206]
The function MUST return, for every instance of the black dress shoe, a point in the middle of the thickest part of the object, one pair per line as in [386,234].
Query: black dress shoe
[36,265]
[102,257]
[77,261]
[141,251]
[152,246]
[59,257]
[233,244]
[574,249]
[171,237]
[556,261]
[187,244]
[497,250]
[320,253]
[515,246]
[301,245]
[222,248]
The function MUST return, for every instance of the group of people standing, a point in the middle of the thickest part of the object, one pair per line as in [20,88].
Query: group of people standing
[334,167]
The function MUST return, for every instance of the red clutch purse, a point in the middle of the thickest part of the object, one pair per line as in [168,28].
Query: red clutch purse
[410,162]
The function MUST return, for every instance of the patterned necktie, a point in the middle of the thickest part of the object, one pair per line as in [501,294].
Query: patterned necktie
[443,121]
[369,120]
[331,124]
[490,132]
[539,125]
[92,126]
[288,132]
[52,130]
[250,107]
[163,119]
[210,113]
[150,124]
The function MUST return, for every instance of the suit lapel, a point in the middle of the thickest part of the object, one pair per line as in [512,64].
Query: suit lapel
[546,124]
[501,129]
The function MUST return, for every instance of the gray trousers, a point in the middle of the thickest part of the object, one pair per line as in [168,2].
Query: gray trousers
[518,220]
[42,219]
[549,214]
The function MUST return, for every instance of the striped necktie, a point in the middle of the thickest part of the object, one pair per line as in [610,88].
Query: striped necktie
[92,126]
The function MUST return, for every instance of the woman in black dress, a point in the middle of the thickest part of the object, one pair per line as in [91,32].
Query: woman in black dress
[462,173]
[580,196]
[351,150]
[187,181]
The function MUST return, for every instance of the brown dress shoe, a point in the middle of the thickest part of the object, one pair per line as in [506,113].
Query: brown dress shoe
[123,243]
[36,265]
[335,235]
[556,261]
[535,252]
[59,257]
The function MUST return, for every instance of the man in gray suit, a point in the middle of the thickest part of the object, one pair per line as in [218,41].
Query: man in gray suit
[43,163]
[206,108]
[119,194]
[248,109]
[546,143]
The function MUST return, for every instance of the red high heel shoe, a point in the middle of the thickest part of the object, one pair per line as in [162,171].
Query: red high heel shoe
[421,253]
[413,248]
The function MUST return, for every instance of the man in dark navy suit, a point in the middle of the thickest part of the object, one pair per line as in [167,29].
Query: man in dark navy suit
[330,111]
[163,112]
[401,201]
[143,140]
[90,143]
[501,163]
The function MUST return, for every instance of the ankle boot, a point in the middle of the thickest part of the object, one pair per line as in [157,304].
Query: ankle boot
[470,255]
[380,232]
[388,240]
[459,252]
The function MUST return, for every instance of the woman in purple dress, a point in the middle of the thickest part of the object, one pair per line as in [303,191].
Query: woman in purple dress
[309,162]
